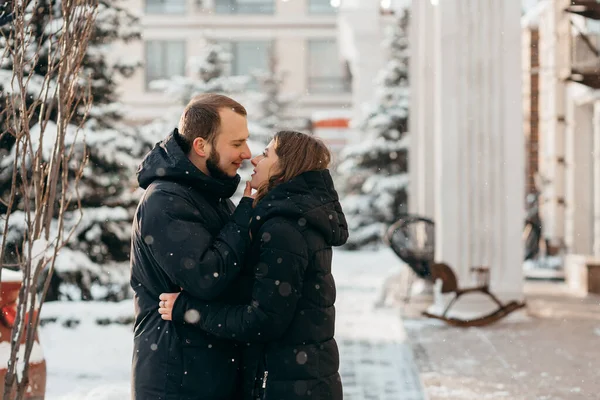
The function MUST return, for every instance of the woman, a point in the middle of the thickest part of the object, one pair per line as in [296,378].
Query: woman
[288,321]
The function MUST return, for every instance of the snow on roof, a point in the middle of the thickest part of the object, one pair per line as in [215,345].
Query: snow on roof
[36,356]
[8,275]
[532,18]
[331,114]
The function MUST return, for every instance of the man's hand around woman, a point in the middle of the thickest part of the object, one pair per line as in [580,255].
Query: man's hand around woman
[167,300]
[165,305]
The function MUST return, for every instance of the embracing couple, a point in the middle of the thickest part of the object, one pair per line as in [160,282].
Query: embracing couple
[234,303]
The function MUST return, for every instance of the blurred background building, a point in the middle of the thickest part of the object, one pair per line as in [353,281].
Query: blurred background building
[328,51]
[568,148]
[302,35]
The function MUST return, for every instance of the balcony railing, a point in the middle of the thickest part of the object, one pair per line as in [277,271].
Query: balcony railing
[245,7]
[585,60]
[328,85]
[165,7]
[321,7]
[586,8]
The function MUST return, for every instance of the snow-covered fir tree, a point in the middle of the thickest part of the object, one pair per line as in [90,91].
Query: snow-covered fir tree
[269,107]
[374,171]
[268,112]
[95,263]
[210,76]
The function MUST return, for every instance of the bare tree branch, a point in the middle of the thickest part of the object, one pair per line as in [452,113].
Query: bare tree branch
[42,185]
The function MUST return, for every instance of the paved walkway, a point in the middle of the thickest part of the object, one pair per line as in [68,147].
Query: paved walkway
[379,371]
[92,362]
[549,352]
[376,359]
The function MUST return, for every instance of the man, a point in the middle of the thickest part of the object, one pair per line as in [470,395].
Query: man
[185,236]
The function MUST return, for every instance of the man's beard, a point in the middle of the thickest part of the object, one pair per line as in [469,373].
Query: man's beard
[212,165]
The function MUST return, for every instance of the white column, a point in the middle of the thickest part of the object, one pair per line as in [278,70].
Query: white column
[486,144]
[476,169]
[508,277]
[450,233]
[478,145]
[416,40]
[553,45]
[579,218]
[422,117]
[360,36]
[596,178]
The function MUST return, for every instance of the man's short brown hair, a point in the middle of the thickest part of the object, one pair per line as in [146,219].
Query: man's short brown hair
[201,118]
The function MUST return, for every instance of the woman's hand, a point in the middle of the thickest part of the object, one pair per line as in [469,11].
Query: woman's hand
[248,191]
[165,306]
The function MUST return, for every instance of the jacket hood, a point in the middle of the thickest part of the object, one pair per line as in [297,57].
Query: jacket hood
[167,161]
[310,199]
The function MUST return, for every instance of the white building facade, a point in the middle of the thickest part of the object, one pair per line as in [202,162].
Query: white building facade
[467,146]
[302,34]
[554,56]
[570,124]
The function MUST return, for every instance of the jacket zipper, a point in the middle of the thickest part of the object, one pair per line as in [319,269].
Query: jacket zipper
[265,376]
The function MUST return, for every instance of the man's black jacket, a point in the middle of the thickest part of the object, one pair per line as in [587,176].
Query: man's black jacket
[184,236]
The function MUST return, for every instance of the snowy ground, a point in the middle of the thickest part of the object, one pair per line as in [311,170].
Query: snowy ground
[92,362]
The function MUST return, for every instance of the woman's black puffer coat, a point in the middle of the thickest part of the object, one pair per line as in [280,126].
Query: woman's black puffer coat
[288,322]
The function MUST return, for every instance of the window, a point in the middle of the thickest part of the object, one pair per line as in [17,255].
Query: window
[326,72]
[164,59]
[165,6]
[321,7]
[245,6]
[593,26]
[249,56]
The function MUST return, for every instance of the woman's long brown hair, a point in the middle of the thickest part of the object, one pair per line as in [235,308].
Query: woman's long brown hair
[297,153]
